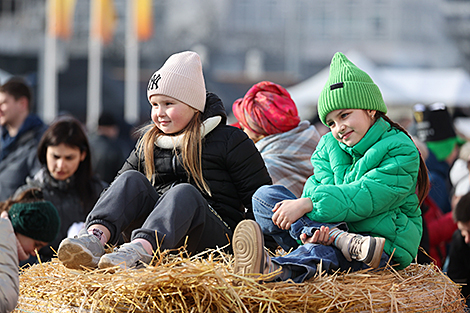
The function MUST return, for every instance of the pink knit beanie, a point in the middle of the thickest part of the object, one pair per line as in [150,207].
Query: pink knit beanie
[180,78]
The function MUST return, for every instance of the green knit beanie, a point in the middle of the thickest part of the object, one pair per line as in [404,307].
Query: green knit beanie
[37,220]
[348,87]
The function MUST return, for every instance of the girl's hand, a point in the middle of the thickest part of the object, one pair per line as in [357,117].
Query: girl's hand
[4,214]
[320,236]
[288,211]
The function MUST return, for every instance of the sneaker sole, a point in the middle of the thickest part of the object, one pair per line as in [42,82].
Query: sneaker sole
[75,256]
[106,263]
[248,248]
[378,250]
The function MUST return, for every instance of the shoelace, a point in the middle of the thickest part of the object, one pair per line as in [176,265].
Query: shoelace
[126,250]
[355,246]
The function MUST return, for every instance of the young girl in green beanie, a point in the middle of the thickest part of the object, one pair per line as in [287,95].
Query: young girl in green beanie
[27,224]
[361,205]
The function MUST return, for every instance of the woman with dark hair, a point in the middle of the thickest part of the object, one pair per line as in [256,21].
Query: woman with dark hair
[66,178]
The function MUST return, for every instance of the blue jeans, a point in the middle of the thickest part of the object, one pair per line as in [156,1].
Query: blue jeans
[303,261]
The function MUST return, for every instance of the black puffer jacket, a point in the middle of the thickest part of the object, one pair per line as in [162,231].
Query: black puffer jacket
[232,167]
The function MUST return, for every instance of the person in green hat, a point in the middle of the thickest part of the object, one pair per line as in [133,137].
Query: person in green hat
[435,128]
[27,224]
[360,208]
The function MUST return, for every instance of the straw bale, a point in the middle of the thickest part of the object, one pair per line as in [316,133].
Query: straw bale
[206,283]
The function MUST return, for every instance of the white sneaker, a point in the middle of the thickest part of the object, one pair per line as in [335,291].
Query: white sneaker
[365,249]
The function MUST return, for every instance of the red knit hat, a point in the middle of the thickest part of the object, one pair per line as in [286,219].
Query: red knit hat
[266,109]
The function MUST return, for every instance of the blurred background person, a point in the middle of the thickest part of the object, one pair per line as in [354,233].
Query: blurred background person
[434,127]
[66,178]
[20,132]
[269,117]
[457,264]
[26,224]
[106,152]
[9,282]
[459,174]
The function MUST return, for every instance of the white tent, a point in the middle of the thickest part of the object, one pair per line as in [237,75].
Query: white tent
[400,87]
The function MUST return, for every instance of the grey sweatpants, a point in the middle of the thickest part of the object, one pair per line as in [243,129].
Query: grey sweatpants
[179,216]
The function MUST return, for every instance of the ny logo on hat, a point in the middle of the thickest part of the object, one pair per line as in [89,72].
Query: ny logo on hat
[153,83]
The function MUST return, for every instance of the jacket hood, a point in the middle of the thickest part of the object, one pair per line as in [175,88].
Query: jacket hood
[214,107]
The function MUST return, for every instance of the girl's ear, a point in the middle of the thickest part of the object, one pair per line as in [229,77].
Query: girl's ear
[82,156]
[372,113]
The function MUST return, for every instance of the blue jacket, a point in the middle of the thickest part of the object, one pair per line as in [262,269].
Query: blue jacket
[440,182]
[19,155]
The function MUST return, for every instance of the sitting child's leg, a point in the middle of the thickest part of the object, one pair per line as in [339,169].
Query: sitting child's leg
[264,200]
[365,249]
[299,265]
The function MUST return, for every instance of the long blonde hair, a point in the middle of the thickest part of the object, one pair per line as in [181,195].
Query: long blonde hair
[190,150]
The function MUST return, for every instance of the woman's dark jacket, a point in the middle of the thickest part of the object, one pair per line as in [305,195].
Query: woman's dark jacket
[66,199]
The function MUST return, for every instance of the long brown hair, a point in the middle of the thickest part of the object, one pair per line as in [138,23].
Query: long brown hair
[190,150]
[423,178]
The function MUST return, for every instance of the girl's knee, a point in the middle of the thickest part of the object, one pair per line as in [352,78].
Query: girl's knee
[132,175]
[185,189]
[262,191]
[273,191]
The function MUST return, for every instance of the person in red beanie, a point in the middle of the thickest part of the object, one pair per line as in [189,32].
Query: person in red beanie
[268,115]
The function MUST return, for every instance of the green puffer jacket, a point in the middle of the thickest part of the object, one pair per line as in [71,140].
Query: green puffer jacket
[371,186]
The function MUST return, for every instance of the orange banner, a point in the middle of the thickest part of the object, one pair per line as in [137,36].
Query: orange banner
[104,20]
[60,15]
[143,19]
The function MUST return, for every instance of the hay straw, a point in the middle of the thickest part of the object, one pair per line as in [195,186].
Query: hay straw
[205,283]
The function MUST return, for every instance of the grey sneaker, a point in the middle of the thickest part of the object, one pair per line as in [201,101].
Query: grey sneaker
[129,255]
[365,249]
[84,250]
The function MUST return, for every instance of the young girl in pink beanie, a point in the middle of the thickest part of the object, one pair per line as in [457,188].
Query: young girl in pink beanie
[189,181]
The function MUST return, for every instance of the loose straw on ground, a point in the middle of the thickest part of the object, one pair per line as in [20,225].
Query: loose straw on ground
[206,283]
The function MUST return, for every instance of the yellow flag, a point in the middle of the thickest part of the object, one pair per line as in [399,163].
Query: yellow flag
[143,18]
[60,15]
[104,20]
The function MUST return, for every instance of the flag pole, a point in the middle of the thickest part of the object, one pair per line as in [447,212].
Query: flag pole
[49,105]
[131,90]
[94,73]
